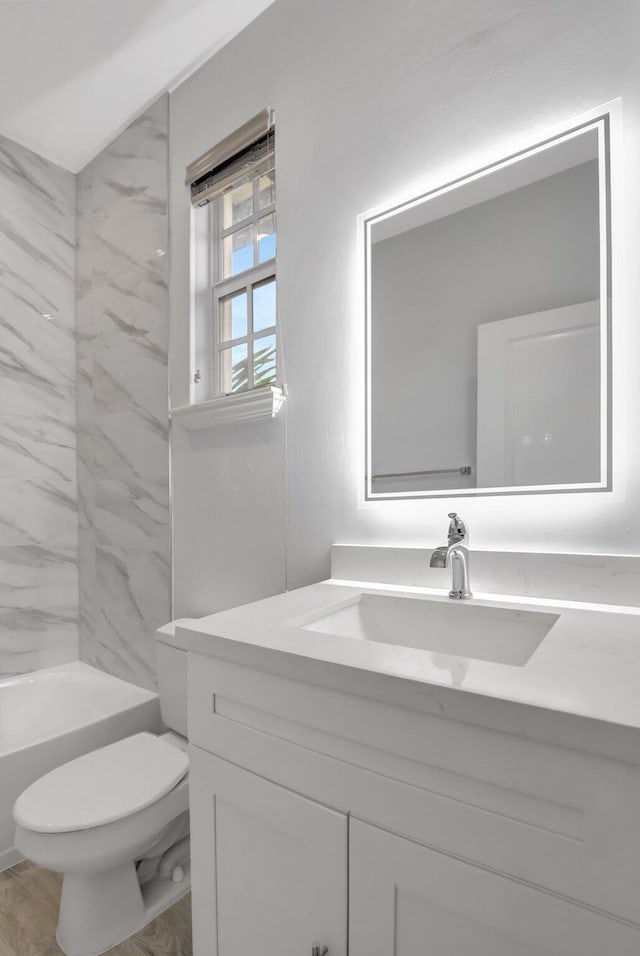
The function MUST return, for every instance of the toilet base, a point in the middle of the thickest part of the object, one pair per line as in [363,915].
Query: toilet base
[100,910]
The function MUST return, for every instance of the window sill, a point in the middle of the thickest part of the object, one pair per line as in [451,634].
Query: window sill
[257,404]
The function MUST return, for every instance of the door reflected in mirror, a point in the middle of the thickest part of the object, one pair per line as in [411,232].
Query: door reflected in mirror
[488,314]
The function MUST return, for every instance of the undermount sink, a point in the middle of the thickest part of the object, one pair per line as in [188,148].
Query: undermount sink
[499,635]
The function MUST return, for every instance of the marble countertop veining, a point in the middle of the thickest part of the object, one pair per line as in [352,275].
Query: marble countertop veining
[579,689]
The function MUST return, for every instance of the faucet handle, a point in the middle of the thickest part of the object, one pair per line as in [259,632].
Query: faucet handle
[457,527]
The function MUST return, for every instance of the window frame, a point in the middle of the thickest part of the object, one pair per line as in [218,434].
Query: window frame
[208,288]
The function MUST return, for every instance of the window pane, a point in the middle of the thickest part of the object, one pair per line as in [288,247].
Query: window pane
[237,204]
[264,360]
[233,316]
[264,305]
[267,238]
[267,189]
[238,251]
[234,368]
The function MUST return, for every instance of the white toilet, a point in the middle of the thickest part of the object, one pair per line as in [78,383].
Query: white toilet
[115,822]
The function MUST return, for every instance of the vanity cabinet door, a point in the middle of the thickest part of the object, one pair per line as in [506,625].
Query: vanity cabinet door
[408,900]
[269,867]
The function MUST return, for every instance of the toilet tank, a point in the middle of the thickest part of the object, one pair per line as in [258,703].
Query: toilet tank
[171,666]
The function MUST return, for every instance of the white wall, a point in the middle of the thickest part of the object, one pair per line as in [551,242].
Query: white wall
[529,250]
[376,98]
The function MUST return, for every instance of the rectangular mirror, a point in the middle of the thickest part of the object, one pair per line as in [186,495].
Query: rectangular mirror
[488,323]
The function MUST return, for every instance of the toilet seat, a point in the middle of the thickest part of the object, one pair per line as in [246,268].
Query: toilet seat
[103,786]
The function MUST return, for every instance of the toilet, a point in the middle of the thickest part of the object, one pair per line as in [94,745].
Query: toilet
[115,822]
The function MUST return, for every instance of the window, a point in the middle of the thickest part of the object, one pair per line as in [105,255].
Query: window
[234,324]
[244,287]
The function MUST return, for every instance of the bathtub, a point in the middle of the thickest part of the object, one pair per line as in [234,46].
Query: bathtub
[53,715]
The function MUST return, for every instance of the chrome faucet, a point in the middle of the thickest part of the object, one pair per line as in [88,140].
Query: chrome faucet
[455,555]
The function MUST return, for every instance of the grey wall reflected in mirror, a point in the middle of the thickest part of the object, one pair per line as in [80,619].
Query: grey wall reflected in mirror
[487,329]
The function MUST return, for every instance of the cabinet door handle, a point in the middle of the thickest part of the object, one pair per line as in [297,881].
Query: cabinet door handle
[318,950]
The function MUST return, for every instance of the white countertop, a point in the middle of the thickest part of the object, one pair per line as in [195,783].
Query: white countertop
[580,688]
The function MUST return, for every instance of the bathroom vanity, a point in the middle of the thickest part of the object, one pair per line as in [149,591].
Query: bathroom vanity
[381,770]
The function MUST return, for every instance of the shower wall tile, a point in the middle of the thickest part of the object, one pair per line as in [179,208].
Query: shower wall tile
[122,399]
[38,607]
[38,492]
[38,512]
[128,607]
[130,514]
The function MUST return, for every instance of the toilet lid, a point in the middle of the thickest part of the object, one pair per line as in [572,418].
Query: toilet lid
[102,786]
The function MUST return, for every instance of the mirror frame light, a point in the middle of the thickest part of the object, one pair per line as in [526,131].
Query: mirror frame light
[599,121]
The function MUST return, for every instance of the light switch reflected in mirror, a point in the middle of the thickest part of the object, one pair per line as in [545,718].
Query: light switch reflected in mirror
[488,313]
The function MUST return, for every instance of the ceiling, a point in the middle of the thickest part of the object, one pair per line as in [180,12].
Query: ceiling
[73,73]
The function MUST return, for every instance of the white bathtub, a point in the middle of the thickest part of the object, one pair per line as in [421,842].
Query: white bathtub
[54,715]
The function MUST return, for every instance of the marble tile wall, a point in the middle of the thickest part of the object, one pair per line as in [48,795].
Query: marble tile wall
[38,496]
[122,342]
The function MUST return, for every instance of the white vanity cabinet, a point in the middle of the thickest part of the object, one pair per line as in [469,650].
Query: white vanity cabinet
[321,815]
[269,866]
[408,900]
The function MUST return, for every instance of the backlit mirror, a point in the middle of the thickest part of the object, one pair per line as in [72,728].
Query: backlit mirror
[488,325]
